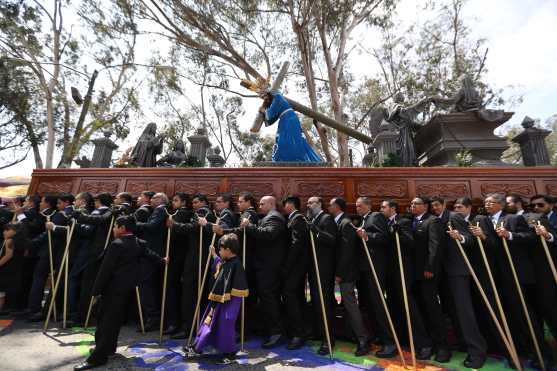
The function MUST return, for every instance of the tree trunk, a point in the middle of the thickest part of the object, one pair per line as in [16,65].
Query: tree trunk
[34,145]
[50,130]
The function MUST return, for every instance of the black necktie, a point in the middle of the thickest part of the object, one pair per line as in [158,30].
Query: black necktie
[415,223]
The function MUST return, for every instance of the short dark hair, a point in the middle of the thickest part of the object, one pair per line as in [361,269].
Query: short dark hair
[392,203]
[340,202]
[227,197]
[19,199]
[201,197]
[464,201]
[294,200]
[424,199]
[248,196]
[35,199]
[66,197]
[439,199]
[127,221]
[230,242]
[127,197]
[183,196]
[148,194]
[88,197]
[516,198]
[104,198]
[366,200]
[546,198]
[498,197]
[51,199]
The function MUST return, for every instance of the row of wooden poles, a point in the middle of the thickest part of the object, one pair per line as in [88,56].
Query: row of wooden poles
[504,330]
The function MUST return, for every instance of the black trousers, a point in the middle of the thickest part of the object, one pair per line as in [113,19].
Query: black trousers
[327,276]
[426,294]
[110,318]
[87,281]
[268,286]
[173,306]
[544,294]
[376,310]
[293,304]
[462,297]
[40,275]
[150,292]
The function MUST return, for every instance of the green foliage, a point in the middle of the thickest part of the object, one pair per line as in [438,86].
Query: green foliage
[191,161]
[392,160]
[463,158]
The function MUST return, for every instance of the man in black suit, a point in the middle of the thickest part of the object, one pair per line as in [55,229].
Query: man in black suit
[460,288]
[347,253]
[48,206]
[100,219]
[271,250]
[114,287]
[428,241]
[403,226]
[190,229]
[515,230]
[294,270]
[144,208]
[154,232]
[224,206]
[376,234]
[325,232]
[123,204]
[544,205]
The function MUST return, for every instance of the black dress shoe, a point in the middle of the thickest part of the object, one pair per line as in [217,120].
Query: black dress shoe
[363,349]
[150,325]
[324,348]
[36,317]
[273,341]
[424,353]
[296,343]
[171,330]
[180,335]
[443,355]
[474,362]
[86,366]
[388,351]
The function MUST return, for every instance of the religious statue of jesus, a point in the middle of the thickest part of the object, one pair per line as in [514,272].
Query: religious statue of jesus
[290,144]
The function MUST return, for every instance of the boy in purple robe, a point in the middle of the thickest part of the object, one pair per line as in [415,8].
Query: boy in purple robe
[218,324]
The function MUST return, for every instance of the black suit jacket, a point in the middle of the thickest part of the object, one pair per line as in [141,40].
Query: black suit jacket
[270,234]
[325,241]
[378,243]
[142,213]
[406,237]
[347,251]
[298,244]
[428,240]
[120,270]
[453,261]
[154,230]
[58,239]
[100,219]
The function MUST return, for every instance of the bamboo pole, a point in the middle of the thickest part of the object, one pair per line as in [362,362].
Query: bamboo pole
[406,305]
[243,318]
[324,314]
[548,255]
[164,284]
[523,302]
[139,310]
[514,354]
[51,262]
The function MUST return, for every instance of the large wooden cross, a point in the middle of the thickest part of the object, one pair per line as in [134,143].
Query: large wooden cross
[296,106]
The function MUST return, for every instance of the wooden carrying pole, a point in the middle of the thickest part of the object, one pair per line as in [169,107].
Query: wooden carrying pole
[324,314]
[139,310]
[243,313]
[105,247]
[199,263]
[69,234]
[51,261]
[548,255]
[514,354]
[379,288]
[164,284]
[54,289]
[486,301]
[406,305]
[523,302]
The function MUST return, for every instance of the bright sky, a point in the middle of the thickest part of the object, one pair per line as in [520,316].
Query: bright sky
[522,52]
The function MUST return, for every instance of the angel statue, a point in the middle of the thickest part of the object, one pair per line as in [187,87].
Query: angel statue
[402,119]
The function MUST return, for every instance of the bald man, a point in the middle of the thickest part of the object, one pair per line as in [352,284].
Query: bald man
[271,247]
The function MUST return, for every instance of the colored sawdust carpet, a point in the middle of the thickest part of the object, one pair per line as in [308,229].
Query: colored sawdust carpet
[5,325]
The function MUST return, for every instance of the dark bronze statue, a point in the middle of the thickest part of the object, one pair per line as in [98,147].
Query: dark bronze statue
[148,146]
[174,157]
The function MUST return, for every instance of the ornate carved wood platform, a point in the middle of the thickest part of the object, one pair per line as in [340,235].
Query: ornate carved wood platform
[400,184]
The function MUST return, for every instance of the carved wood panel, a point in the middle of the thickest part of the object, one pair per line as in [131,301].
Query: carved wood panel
[325,188]
[385,189]
[445,189]
[98,186]
[523,189]
[207,187]
[135,187]
[258,189]
[54,187]
[551,189]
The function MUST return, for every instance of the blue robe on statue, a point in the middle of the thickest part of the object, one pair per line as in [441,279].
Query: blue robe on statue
[290,144]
